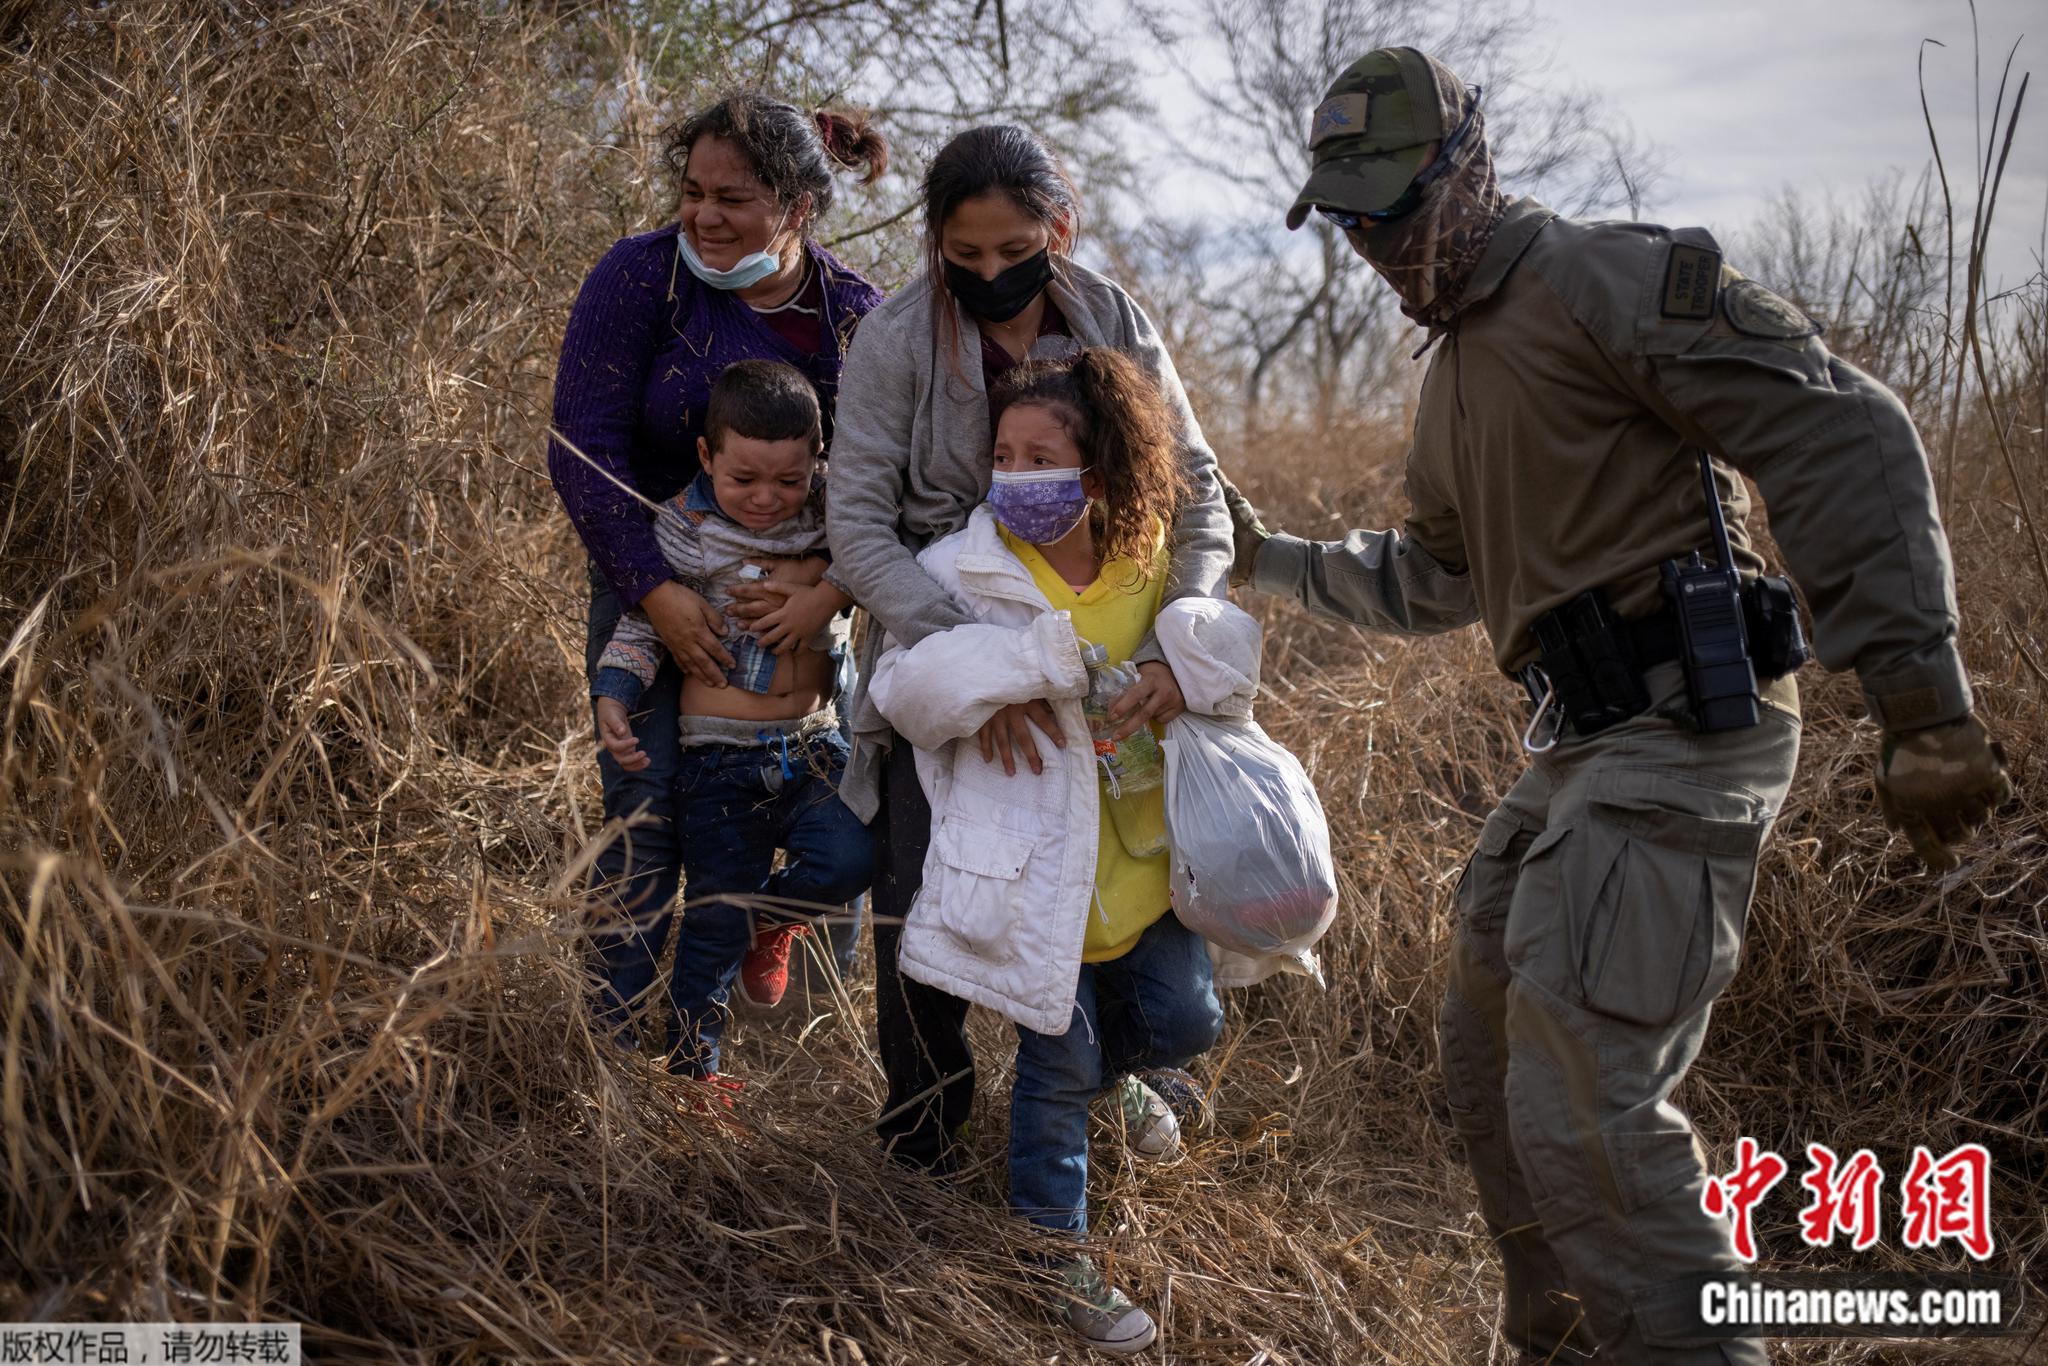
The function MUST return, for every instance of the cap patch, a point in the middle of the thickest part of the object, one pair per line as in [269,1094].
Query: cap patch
[1755,310]
[1691,277]
[1337,116]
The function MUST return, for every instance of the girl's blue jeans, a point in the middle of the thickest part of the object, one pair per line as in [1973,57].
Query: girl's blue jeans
[1154,1007]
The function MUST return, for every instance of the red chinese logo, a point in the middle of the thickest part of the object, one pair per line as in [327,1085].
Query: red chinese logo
[1737,1193]
[1845,1197]
[1949,1198]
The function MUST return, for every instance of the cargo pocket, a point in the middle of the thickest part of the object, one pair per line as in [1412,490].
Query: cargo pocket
[976,895]
[1660,887]
[1651,1165]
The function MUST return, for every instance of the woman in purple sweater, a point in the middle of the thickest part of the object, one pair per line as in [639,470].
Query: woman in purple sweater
[740,276]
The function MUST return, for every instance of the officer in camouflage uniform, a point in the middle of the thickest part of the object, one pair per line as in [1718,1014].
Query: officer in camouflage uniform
[1579,369]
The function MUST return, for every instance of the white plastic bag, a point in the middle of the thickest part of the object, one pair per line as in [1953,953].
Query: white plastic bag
[1252,872]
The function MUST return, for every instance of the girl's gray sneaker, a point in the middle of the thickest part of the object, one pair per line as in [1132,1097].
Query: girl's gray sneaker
[1099,1312]
[1150,1130]
[1187,1097]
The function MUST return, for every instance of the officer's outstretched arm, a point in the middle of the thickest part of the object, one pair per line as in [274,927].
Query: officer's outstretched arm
[1380,580]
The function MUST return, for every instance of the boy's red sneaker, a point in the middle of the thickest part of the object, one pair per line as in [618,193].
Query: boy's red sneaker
[764,972]
[712,1095]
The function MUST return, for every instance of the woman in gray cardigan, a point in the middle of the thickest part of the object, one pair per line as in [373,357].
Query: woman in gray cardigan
[910,460]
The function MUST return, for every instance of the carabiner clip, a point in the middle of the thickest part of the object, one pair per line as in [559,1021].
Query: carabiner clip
[1542,709]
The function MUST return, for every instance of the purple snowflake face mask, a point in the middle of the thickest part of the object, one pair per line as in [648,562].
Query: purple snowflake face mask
[1039,506]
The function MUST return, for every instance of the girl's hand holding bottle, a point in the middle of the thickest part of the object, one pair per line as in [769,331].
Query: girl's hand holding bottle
[1130,764]
[1156,696]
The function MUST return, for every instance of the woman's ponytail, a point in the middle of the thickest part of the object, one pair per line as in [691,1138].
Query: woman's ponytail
[853,142]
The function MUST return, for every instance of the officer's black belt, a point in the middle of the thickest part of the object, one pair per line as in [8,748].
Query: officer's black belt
[1591,662]
[1655,639]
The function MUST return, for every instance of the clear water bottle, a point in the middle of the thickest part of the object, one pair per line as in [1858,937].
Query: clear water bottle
[1133,770]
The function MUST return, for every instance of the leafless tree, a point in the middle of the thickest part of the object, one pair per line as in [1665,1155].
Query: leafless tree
[925,68]
[1869,269]
[1310,326]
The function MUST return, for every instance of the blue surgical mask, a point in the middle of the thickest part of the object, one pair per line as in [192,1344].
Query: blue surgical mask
[750,269]
[1039,506]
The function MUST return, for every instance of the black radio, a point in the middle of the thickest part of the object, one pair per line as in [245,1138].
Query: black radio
[1713,642]
[1714,647]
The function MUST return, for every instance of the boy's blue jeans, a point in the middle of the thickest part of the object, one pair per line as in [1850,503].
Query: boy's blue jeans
[740,804]
[635,877]
[1154,1007]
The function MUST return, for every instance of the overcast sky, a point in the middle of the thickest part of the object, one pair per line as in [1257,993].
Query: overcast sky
[1747,97]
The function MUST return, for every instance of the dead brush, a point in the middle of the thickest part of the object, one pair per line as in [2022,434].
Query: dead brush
[296,806]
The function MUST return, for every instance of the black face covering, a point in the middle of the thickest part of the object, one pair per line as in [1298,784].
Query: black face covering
[1003,298]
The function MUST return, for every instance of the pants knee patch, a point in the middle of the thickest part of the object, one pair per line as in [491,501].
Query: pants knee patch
[1540,1118]
[1473,1076]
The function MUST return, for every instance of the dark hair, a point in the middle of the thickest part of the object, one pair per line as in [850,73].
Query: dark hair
[1000,157]
[793,153]
[762,400]
[1115,413]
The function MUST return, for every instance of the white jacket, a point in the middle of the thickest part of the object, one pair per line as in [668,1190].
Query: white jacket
[1009,882]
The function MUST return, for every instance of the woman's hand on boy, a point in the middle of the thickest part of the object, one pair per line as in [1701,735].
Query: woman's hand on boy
[615,733]
[1007,735]
[691,628]
[1156,696]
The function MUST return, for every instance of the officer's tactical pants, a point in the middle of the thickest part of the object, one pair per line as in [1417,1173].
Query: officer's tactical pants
[1597,921]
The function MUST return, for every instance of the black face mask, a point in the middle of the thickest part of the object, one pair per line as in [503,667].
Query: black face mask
[1003,298]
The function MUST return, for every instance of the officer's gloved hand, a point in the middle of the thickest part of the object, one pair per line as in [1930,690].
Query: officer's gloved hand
[1935,785]
[1247,533]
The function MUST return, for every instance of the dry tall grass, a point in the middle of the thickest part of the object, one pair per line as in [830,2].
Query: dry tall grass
[296,797]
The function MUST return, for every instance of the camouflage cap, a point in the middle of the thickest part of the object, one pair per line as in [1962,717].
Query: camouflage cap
[1369,134]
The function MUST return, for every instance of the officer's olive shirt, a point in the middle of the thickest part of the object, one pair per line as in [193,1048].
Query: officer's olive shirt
[1554,452]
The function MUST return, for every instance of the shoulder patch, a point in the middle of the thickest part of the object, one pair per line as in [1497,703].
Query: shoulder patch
[1755,310]
[1692,277]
